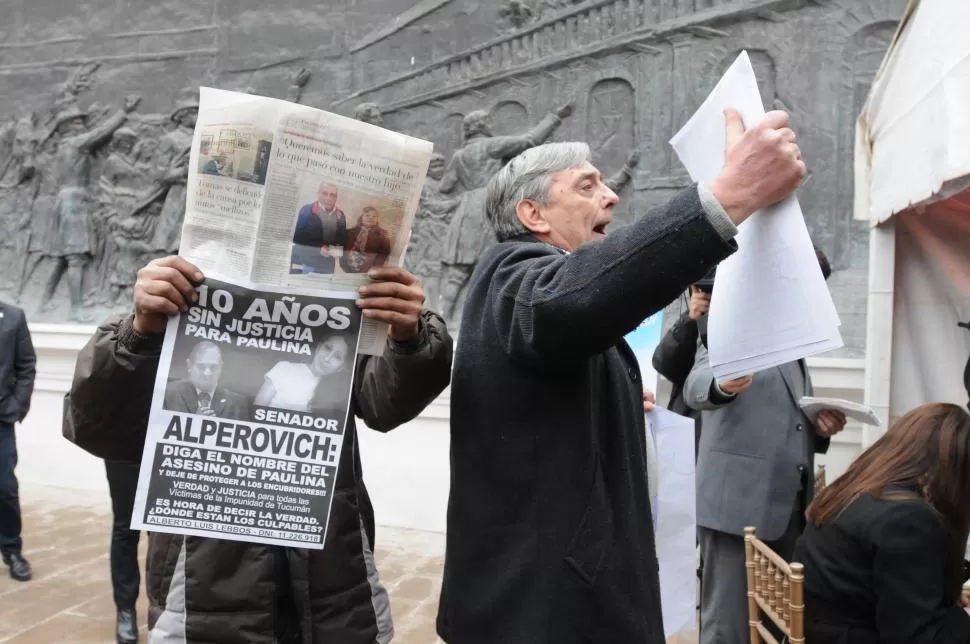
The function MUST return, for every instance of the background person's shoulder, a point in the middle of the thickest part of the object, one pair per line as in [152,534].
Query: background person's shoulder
[11,311]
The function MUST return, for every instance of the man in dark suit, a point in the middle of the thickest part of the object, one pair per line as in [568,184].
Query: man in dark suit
[17,370]
[200,393]
[321,233]
[755,467]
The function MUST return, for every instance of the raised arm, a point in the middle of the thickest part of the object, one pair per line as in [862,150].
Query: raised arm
[559,307]
[555,307]
[99,135]
[297,82]
[623,176]
[506,147]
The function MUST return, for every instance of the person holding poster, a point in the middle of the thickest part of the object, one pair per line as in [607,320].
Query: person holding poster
[225,591]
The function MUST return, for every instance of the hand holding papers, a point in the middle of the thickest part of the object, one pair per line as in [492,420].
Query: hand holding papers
[812,406]
[770,304]
[761,168]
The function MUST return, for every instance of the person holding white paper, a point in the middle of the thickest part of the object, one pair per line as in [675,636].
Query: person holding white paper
[550,534]
[755,467]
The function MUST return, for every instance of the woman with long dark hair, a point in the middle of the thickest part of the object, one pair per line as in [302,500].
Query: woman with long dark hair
[885,542]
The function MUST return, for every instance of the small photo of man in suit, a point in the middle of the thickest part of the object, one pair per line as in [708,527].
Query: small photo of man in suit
[320,235]
[200,392]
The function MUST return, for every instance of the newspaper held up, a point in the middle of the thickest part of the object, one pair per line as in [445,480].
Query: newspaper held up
[248,416]
[286,195]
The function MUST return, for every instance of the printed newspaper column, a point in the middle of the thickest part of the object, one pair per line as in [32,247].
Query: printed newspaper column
[340,200]
[247,422]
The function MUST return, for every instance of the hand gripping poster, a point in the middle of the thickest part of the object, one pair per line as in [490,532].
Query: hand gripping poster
[247,421]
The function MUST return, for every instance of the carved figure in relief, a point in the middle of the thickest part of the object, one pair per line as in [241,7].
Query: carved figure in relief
[546,7]
[73,242]
[130,238]
[298,81]
[173,151]
[480,157]
[516,13]
[369,113]
[37,227]
[624,175]
[119,188]
[18,186]
[426,245]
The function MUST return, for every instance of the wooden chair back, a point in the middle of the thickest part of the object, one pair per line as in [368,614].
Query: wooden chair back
[819,479]
[775,588]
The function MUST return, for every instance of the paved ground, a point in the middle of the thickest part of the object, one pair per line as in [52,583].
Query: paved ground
[69,599]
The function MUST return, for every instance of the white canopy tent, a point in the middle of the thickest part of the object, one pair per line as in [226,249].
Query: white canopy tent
[912,172]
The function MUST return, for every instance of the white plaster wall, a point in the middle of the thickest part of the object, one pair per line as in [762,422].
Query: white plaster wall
[406,470]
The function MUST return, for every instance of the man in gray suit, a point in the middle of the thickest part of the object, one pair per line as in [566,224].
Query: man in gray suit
[755,467]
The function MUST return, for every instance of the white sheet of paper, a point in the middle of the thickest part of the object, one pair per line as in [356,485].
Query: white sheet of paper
[813,405]
[770,303]
[675,509]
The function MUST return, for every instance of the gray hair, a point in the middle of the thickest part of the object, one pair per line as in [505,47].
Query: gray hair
[527,177]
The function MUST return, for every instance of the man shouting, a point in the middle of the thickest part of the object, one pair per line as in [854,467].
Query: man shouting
[550,537]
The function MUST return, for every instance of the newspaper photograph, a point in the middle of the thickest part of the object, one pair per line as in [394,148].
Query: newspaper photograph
[250,406]
[287,195]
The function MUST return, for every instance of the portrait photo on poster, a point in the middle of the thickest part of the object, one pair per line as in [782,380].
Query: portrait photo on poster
[236,152]
[342,229]
[245,355]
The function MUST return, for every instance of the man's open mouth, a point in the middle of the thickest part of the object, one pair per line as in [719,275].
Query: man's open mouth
[600,229]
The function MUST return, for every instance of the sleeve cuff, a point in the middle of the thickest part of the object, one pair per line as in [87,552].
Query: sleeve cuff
[716,213]
[719,395]
[411,346]
[136,342]
[685,330]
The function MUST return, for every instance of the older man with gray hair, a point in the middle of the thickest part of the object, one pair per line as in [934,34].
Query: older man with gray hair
[550,536]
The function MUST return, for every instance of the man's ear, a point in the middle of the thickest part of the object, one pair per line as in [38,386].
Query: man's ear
[529,216]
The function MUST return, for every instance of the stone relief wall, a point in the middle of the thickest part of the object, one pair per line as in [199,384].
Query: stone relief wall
[96,114]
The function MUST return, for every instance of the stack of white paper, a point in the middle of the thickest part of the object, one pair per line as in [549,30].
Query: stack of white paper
[770,303]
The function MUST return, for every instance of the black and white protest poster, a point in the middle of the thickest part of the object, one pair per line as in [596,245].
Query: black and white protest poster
[248,416]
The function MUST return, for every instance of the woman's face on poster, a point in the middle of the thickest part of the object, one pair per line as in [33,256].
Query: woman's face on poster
[368,218]
[330,356]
